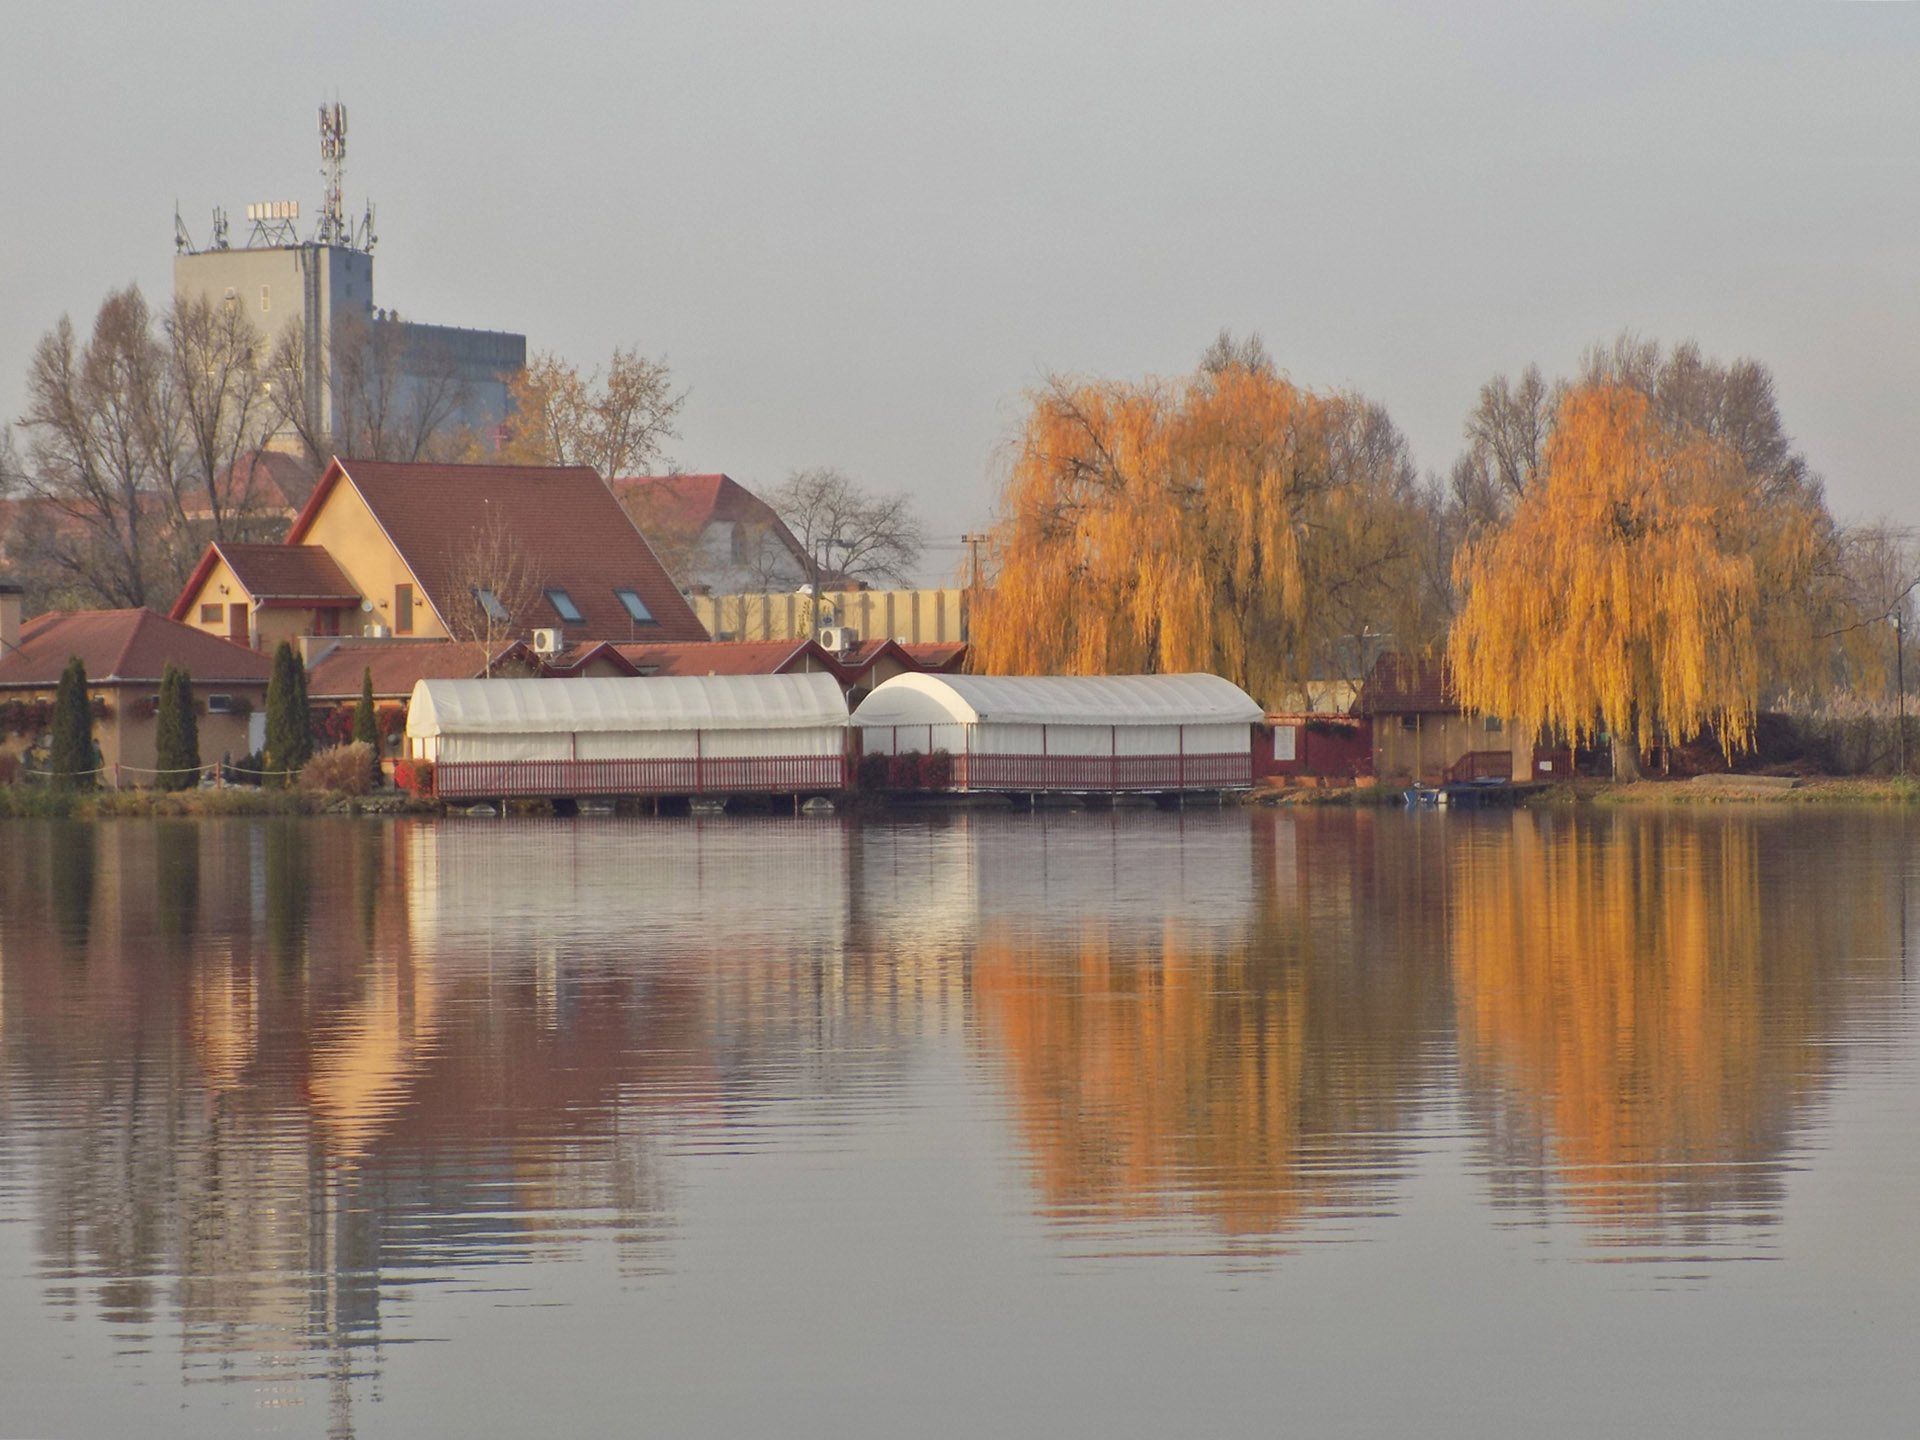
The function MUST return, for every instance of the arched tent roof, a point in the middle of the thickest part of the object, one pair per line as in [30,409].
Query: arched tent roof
[691,702]
[1057,700]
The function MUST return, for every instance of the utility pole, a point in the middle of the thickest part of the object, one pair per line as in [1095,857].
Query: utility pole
[973,540]
[1900,680]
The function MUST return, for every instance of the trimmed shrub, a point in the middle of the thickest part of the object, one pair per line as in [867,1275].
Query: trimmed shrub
[414,775]
[343,770]
[870,775]
[935,771]
[176,733]
[73,757]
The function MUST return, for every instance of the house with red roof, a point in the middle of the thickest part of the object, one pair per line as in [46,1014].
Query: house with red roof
[731,657]
[1421,732]
[125,653]
[387,549]
[716,535]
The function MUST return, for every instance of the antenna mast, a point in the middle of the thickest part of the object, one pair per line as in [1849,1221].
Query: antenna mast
[333,229]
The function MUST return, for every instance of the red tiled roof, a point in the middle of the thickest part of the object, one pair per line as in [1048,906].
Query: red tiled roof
[688,504]
[1408,685]
[855,664]
[567,521]
[397,663]
[722,657]
[937,654]
[126,647]
[270,480]
[270,573]
[587,652]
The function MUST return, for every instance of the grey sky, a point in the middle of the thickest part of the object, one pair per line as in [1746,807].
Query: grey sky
[859,232]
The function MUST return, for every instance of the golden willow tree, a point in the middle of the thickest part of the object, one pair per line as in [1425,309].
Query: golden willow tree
[1231,522]
[1645,587]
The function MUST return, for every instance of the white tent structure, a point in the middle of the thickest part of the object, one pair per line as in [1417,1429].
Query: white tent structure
[1090,733]
[679,735]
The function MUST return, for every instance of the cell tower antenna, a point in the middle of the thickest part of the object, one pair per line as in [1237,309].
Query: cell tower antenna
[333,229]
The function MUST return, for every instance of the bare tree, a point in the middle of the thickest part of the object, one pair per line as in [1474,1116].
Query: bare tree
[863,536]
[492,586]
[219,373]
[384,394]
[618,422]
[103,441]
[1226,353]
[1507,432]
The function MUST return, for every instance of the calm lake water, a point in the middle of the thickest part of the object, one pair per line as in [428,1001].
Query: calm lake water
[1128,1124]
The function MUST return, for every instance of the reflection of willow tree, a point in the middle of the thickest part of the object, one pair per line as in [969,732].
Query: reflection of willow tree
[1253,1077]
[1643,1012]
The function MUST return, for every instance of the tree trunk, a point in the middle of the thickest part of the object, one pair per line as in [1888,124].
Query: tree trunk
[1626,758]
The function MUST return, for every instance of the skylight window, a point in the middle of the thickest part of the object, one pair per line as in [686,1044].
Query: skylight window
[563,606]
[490,603]
[636,607]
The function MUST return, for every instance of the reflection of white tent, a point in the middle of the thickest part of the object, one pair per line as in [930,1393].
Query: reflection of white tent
[685,735]
[1069,732]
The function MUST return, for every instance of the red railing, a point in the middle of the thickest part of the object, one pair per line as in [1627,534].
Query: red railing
[1098,773]
[1482,765]
[703,775]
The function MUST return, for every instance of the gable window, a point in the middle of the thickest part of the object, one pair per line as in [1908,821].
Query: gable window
[403,609]
[490,603]
[563,606]
[636,608]
[212,614]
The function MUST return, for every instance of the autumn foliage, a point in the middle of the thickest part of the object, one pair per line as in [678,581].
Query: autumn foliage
[1641,588]
[1231,522]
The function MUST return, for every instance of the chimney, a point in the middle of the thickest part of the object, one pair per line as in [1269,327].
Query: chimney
[12,602]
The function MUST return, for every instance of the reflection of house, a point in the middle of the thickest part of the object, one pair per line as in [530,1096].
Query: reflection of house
[1421,733]
[125,652]
[717,534]
[430,551]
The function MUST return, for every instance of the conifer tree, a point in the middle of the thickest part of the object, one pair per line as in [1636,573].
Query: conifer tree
[176,732]
[289,727]
[366,723]
[72,755]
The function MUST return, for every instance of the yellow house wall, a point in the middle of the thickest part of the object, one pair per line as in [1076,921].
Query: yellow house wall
[346,529]
[221,587]
[267,627]
[130,740]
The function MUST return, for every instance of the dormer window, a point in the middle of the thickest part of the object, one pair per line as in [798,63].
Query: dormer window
[635,607]
[490,603]
[564,607]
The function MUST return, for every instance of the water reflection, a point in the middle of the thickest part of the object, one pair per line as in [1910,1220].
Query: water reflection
[265,1085]
[1251,1057]
[1648,1006]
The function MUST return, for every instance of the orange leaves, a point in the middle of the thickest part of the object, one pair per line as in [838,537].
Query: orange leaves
[1170,527]
[1627,590]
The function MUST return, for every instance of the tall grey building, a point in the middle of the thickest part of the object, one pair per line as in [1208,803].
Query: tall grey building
[357,364]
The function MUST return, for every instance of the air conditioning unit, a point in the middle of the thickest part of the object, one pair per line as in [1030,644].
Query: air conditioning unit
[548,642]
[838,638]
